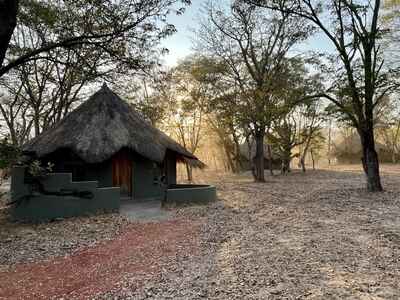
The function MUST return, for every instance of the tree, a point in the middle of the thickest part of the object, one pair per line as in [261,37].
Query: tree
[388,126]
[284,138]
[57,48]
[311,117]
[14,114]
[9,155]
[299,116]
[173,100]
[220,104]
[8,21]
[253,44]
[47,89]
[151,94]
[124,28]
[189,114]
[354,31]
[316,146]
[391,20]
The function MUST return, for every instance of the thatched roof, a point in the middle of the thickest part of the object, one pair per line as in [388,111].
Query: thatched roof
[244,151]
[352,145]
[102,126]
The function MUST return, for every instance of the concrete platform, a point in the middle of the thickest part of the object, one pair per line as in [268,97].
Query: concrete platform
[144,211]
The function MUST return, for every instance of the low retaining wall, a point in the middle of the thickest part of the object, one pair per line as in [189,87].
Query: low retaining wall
[190,193]
[34,206]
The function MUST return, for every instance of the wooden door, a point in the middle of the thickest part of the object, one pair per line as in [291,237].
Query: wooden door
[122,172]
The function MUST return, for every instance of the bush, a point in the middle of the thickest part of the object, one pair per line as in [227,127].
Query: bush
[9,154]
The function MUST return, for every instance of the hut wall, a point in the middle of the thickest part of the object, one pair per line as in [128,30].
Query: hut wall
[100,172]
[65,161]
[60,197]
[170,168]
[146,175]
[146,179]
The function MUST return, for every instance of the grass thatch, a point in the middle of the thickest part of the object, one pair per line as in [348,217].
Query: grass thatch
[102,126]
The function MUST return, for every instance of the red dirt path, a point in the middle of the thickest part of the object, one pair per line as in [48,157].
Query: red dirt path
[141,249]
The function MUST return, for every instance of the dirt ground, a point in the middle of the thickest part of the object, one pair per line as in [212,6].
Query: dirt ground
[317,235]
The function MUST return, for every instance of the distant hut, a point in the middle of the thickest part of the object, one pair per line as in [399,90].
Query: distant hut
[105,140]
[349,151]
[249,152]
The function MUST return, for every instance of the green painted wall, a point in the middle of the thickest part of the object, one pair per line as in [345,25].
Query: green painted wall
[37,207]
[100,172]
[189,193]
[65,160]
[170,167]
[146,180]
[146,175]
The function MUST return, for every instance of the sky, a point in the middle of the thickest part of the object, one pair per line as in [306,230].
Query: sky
[180,44]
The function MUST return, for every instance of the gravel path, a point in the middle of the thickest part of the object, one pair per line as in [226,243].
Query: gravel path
[318,235]
[135,255]
[24,243]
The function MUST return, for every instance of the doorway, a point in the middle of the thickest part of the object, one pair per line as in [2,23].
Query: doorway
[122,172]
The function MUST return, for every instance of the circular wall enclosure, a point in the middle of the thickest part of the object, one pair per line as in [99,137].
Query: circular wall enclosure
[191,193]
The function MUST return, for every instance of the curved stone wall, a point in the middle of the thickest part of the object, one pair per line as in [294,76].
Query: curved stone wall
[191,193]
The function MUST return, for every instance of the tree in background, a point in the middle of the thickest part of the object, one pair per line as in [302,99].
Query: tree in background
[299,116]
[152,94]
[253,44]
[220,104]
[312,117]
[47,89]
[173,100]
[129,29]
[283,137]
[14,113]
[390,17]
[317,146]
[388,126]
[188,116]
[9,155]
[354,30]
[59,48]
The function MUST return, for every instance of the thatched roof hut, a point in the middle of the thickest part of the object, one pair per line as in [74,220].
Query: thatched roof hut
[349,150]
[101,127]
[246,152]
[107,141]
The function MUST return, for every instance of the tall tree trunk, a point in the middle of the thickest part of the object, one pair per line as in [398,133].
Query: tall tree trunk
[393,156]
[271,163]
[329,141]
[189,173]
[312,159]
[231,164]
[286,158]
[395,139]
[259,159]
[285,166]
[303,163]
[370,161]
[250,154]
[304,153]
[36,123]
[8,21]
[238,160]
